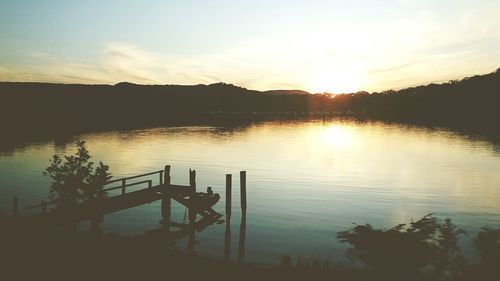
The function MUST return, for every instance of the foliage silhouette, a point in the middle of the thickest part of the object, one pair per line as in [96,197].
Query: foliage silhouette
[48,252]
[487,243]
[424,248]
[74,179]
[450,260]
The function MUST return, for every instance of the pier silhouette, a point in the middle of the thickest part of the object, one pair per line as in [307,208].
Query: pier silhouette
[198,203]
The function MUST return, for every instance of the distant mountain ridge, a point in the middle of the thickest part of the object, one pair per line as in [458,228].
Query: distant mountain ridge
[221,86]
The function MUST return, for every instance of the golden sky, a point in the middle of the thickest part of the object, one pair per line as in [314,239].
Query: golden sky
[317,46]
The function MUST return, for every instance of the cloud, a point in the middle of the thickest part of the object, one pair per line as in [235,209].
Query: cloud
[395,68]
[127,52]
[117,62]
[7,73]
[129,63]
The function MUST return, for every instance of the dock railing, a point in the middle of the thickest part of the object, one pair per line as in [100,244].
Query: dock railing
[163,177]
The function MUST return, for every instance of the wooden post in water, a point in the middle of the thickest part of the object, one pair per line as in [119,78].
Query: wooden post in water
[192,180]
[227,234]
[15,207]
[243,223]
[123,186]
[192,186]
[243,190]
[191,212]
[166,175]
[228,195]
[166,201]
[191,215]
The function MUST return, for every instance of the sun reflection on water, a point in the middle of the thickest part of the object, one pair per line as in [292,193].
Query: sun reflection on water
[337,136]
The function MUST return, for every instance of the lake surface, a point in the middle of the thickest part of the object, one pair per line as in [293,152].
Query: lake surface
[306,180]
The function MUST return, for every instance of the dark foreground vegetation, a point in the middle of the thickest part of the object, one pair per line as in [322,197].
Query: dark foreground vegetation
[50,109]
[424,250]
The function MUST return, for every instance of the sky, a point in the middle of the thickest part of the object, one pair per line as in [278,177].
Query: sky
[312,45]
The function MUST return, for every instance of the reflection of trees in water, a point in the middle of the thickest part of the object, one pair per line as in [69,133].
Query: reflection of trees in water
[19,140]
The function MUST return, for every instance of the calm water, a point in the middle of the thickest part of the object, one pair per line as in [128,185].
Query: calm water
[305,180]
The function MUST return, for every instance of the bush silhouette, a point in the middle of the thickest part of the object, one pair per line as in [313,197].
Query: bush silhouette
[487,243]
[74,179]
[425,247]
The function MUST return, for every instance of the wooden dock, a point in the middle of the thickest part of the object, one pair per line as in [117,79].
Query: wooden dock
[146,189]
[163,190]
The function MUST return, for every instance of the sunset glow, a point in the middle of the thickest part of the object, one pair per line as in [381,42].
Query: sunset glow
[340,81]
[319,46]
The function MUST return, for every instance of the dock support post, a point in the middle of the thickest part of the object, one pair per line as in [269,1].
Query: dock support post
[123,186]
[191,237]
[192,180]
[15,207]
[243,223]
[166,175]
[227,234]
[228,195]
[192,212]
[243,190]
[166,202]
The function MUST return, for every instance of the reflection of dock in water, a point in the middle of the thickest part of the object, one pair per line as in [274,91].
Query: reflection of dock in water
[243,223]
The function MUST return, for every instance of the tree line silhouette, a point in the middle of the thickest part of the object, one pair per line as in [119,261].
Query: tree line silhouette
[468,104]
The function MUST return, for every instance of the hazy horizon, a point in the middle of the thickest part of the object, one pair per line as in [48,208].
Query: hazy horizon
[315,46]
[222,82]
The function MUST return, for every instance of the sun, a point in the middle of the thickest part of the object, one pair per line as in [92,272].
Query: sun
[336,81]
